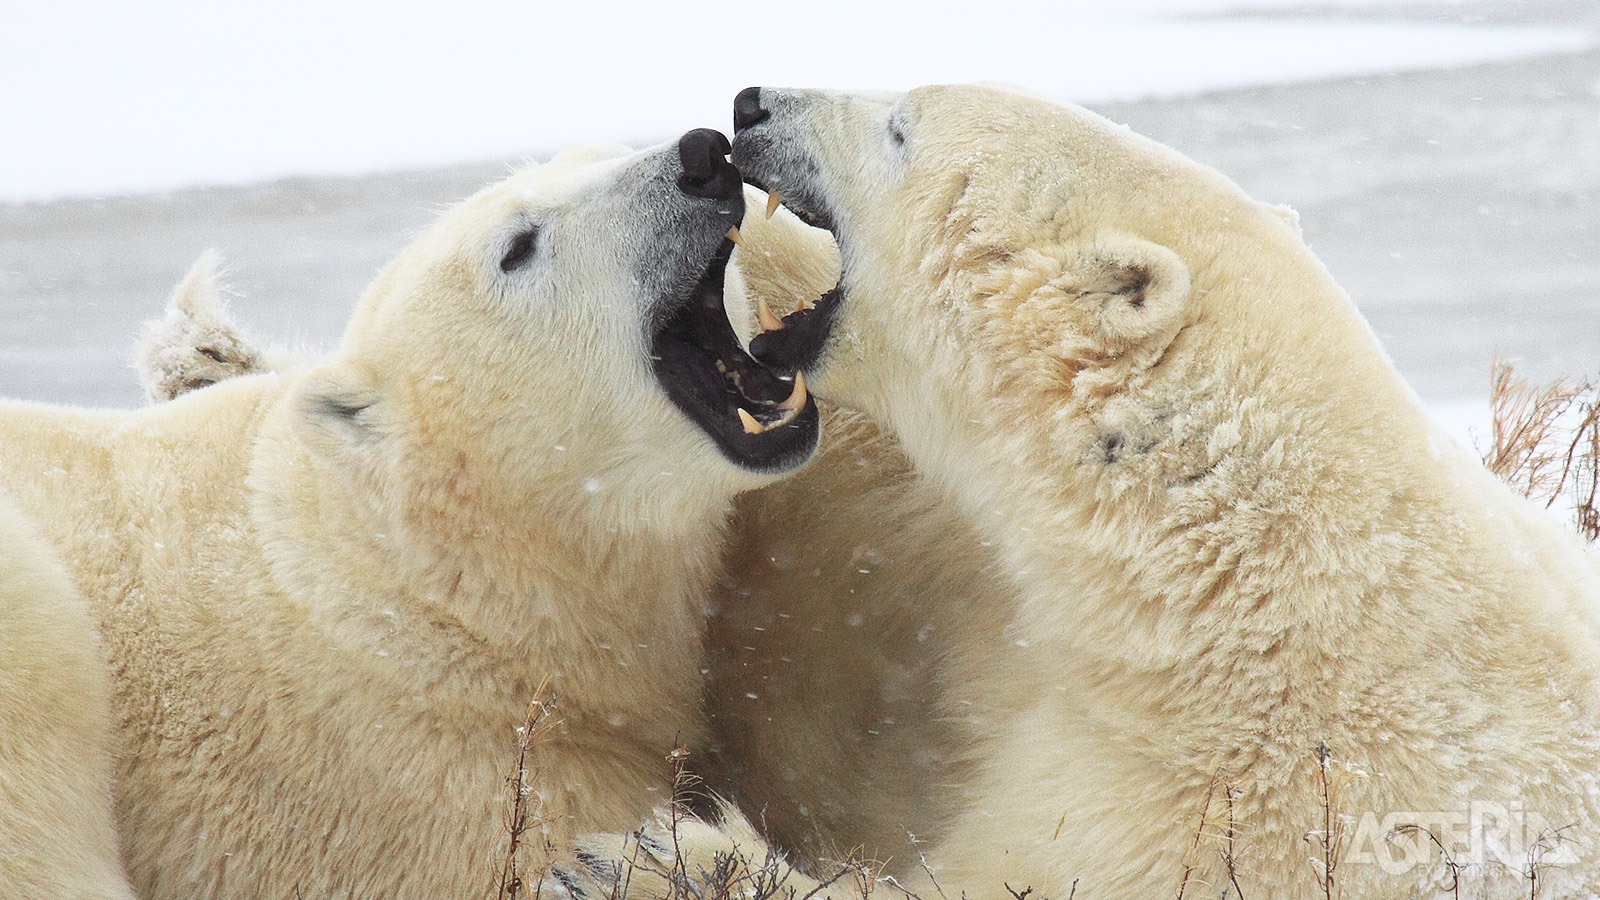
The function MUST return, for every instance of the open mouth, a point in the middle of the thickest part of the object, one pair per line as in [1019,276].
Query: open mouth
[794,342]
[759,417]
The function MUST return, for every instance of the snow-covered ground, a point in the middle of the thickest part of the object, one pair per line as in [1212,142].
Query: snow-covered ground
[102,97]
[1445,156]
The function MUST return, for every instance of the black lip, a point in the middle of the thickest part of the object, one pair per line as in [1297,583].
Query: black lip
[800,201]
[697,359]
[799,346]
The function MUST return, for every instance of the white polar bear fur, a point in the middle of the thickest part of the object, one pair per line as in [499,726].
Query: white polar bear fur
[328,597]
[1232,533]
[56,834]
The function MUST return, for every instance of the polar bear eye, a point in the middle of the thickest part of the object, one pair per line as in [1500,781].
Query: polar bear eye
[521,248]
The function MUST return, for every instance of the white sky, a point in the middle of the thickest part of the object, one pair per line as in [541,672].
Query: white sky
[101,97]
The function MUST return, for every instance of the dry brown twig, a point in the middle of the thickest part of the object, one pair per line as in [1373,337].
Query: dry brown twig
[1190,856]
[1451,866]
[1582,461]
[1545,442]
[682,791]
[1026,892]
[1229,852]
[1548,842]
[1330,838]
[527,807]
[1525,429]
[922,860]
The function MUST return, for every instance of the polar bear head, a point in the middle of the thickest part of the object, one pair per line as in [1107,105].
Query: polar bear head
[1022,240]
[1020,272]
[1030,288]
[562,333]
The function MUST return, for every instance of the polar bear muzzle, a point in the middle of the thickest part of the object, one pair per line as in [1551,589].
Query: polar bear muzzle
[795,341]
[759,417]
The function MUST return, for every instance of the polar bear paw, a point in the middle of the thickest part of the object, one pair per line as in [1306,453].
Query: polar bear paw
[689,859]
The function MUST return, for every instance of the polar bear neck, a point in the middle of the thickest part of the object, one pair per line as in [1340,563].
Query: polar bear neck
[508,604]
[1269,497]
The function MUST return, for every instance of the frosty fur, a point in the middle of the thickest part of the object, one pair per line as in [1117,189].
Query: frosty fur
[843,596]
[1233,536]
[328,595]
[56,835]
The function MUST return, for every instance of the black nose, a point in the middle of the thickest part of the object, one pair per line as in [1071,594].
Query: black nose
[747,109]
[706,170]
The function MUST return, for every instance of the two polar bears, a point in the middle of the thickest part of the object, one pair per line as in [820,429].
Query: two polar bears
[1226,535]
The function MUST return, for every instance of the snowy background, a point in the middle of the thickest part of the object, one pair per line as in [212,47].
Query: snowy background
[1444,156]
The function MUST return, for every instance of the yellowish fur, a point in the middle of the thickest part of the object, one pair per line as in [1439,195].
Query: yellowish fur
[56,826]
[844,594]
[328,596]
[1231,533]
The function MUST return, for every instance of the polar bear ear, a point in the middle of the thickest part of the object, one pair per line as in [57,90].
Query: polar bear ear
[1135,290]
[337,415]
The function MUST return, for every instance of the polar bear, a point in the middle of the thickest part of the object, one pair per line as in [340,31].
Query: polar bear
[329,596]
[1273,634]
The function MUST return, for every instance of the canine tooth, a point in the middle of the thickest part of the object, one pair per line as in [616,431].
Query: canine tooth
[769,322]
[789,415]
[733,235]
[797,397]
[799,305]
[773,202]
[751,426]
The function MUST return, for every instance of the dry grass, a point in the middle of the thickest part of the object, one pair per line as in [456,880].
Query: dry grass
[1548,842]
[525,808]
[1329,840]
[1545,442]
[1191,856]
[1452,868]
[1534,871]
[652,864]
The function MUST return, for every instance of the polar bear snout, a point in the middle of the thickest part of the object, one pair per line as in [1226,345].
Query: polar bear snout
[813,152]
[747,109]
[761,418]
[771,151]
[706,170]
